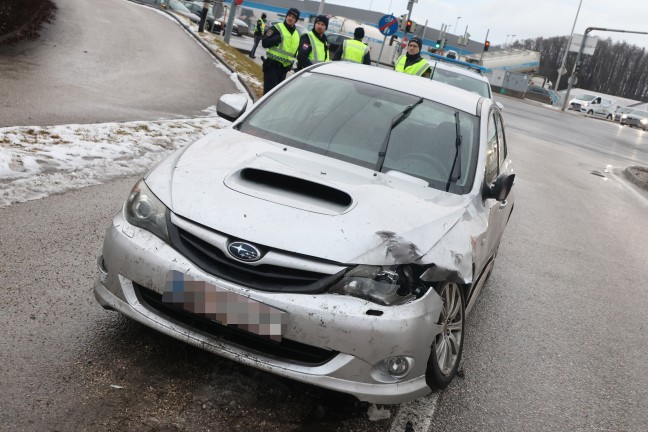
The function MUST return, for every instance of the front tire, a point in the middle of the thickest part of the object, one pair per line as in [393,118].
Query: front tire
[447,347]
[590,112]
[609,117]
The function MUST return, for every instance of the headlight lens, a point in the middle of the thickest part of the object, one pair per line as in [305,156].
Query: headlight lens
[384,285]
[145,210]
[624,116]
[643,121]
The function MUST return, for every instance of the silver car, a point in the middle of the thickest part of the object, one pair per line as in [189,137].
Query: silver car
[638,118]
[339,240]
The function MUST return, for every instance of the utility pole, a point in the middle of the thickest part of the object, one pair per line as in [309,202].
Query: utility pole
[230,22]
[482,53]
[562,69]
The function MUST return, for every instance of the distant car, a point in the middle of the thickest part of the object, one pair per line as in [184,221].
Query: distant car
[539,94]
[581,101]
[338,240]
[620,111]
[197,8]
[637,118]
[174,6]
[240,27]
[335,41]
[463,77]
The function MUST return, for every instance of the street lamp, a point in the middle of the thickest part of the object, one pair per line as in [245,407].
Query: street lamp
[511,43]
[506,41]
[456,24]
[562,69]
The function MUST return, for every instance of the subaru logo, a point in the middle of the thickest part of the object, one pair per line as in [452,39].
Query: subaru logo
[244,251]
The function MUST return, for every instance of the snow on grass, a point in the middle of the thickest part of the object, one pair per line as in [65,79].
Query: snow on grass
[39,161]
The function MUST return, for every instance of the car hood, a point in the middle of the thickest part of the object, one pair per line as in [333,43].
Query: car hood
[295,200]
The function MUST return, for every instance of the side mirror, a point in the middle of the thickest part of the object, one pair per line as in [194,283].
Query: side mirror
[231,106]
[500,106]
[500,189]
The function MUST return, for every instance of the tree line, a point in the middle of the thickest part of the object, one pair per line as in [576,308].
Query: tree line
[615,68]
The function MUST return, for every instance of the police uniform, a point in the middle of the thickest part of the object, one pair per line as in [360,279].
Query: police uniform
[313,48]
[354,50]
[259,30]
[281,42]
[413,64]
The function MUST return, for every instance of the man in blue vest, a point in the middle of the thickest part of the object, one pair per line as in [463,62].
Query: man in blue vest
[281,42]
[313,46]
[259,29]
[354,50]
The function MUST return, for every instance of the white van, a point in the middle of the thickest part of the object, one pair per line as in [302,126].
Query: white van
[600,107]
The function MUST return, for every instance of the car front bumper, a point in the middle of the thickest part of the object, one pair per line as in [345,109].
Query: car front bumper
[359,334]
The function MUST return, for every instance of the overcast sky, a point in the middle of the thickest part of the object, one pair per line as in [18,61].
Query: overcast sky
[522,18]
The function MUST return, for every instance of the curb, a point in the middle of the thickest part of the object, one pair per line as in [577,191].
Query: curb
[634,178]
[251,94]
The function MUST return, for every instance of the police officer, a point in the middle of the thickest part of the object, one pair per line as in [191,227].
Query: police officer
[281,42]
[313,46]
[354,50]
[412,63]
[259,29]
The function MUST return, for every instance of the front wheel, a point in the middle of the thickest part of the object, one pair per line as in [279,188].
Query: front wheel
[590,112]
[447,347]
[609,117]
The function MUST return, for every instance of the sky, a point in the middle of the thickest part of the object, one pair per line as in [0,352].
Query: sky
[521,19]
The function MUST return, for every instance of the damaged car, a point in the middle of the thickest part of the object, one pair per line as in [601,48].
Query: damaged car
[339,240]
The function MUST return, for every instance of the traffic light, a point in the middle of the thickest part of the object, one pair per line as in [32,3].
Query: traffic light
[437,44]
[486,45]
[577,68]
[402,21]
[408,26]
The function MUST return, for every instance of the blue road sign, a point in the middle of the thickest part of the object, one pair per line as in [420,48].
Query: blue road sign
[388,25]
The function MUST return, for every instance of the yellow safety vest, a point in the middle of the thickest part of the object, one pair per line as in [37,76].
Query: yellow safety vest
[354,50]
[260,29]
[318,52]
[285,52]
[417,68]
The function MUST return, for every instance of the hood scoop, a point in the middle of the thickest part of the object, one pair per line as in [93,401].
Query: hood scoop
[290,191]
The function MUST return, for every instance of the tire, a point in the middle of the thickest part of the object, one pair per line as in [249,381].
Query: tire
[590,112]
[609,117]
[447,347]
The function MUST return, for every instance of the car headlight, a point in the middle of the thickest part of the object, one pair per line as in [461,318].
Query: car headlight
[584,104]
[145,210]
[643,121]
[384,285]
[624,116]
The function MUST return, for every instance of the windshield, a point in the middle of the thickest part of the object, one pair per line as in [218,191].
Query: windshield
[350,121]
[462,81]
[177,6]
[586,97]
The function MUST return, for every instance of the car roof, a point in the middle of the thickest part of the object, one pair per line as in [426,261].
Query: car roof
[406,83]
[473,73]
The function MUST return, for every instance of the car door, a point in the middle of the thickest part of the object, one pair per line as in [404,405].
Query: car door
[497,162]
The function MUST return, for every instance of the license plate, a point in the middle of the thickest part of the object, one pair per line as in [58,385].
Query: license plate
[225,307]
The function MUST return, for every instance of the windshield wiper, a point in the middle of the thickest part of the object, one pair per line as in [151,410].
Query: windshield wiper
[395,122]
[455,172]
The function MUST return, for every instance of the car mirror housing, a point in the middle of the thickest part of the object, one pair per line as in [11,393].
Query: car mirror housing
[231,106]
[500,189]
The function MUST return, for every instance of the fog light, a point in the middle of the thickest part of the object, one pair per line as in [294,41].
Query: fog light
[397,366]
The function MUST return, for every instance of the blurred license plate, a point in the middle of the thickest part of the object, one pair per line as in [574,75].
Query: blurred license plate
[224,306]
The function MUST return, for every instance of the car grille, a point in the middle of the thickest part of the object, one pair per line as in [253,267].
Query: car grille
[575,106]
[262,277]
[286,350]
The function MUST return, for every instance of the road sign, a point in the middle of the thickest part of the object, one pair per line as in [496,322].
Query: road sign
[590,44]
[239,2]
[388,25]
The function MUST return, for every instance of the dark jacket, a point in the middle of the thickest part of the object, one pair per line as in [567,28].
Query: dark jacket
[305,49]
[338,54]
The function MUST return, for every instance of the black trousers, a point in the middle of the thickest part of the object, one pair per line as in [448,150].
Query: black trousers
[273,74]
[257,39]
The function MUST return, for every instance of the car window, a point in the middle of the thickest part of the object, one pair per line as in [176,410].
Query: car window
[462,81]
[492,155]
[350,120]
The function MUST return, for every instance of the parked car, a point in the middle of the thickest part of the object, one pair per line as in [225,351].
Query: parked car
[240,28]
[339,240]
[620,111]
[600,107]
[197,8]
[638,118]
[174,6]
[539,94]
[335,41]
[465,78]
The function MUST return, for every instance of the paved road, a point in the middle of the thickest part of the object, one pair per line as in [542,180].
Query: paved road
[107,60]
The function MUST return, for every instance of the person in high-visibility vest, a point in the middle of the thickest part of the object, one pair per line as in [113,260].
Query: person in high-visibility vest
[313,46]
[354,50]
[281,42]
[259,29]
[412,63]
